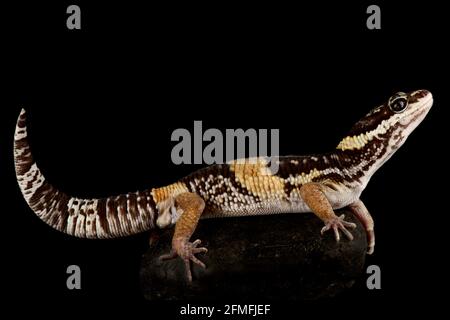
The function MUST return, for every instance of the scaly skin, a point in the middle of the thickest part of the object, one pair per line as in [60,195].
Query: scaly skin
[317,183]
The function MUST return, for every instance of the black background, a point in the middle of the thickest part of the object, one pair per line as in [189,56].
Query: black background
[103,102]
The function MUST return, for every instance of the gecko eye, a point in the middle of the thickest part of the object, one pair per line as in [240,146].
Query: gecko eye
[398,102]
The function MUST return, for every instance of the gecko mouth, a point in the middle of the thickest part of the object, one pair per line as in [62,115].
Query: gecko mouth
[419,112]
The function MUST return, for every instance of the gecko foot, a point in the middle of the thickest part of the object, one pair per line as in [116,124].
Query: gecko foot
[186,250]
[338,223]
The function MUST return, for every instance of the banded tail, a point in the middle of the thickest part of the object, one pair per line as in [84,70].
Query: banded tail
[86,218]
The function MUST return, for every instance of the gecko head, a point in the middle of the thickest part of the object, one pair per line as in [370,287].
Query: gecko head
[389,124]
[408,110]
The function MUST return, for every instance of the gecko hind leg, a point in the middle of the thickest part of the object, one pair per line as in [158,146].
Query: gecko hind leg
[191,205]
[314,196]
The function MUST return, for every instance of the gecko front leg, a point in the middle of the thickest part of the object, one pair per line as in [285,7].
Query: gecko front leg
[360,211]
[191,207]
[316,200]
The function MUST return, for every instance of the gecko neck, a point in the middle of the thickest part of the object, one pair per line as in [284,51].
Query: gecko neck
[362,163]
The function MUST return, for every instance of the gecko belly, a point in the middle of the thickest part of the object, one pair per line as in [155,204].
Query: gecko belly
[266,207]
[337,200]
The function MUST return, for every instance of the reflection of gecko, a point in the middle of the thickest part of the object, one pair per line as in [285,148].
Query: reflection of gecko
[320,183]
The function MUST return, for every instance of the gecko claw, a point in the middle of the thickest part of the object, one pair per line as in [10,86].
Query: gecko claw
[337,224]
[186,250]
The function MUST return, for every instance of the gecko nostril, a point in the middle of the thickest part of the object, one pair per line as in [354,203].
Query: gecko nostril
[421,93]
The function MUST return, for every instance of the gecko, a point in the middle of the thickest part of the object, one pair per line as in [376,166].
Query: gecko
[244,187]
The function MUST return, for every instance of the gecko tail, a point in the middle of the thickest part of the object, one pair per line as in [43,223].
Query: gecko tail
[111,217]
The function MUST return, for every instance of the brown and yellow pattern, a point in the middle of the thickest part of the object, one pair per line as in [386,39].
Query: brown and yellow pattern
[241,187]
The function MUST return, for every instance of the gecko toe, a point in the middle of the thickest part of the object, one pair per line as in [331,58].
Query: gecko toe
[326,228]
[195,249]
[197,262]
[168,256]
[338,224]
[345,223]
[186,251]
[187,266]
[336,233]
[199,250]
[347,233]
